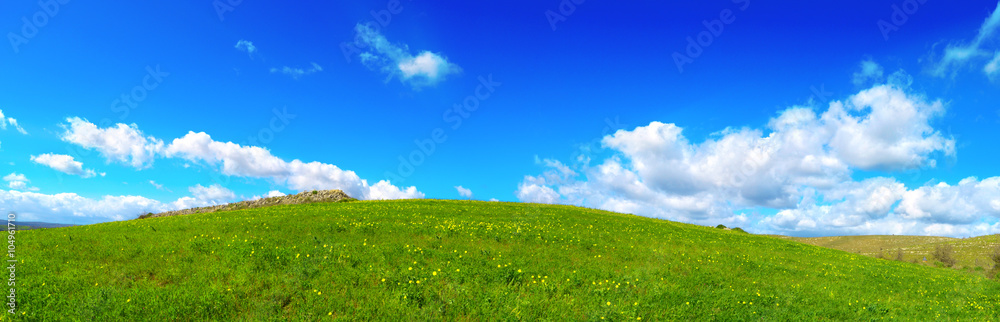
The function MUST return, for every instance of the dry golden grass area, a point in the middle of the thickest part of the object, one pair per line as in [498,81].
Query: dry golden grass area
[969,252]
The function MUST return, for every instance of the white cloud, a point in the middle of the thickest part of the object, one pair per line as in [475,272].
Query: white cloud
[870,72]
[296,73]
[494,199]
[957,55]
[257,162]
[246,46]
[74,209]
[121,143]
[18,182]
[10,120]
[962,204]
[895,134]
[465,193]
[63,163]
[424,69]
[800,165]
[127,143]
[532,192]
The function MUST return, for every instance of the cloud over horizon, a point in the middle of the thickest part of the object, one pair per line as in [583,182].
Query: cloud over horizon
[801,165]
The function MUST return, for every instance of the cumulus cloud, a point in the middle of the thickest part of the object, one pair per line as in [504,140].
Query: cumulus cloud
[257,162]
[4,121]
[18,181]
[63,163]
[982,46]
[895,134]
[121,143]
[296,73]
[125,142]
[960,204]
[246,46]
[395,60]
[462,191]
[71,208]
[800,165]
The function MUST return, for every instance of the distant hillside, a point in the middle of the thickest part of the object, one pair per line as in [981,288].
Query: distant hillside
[26,225]
[970,252]
[465,260]
[300,198]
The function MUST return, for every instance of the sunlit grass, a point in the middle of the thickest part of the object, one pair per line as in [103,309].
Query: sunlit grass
[399,260]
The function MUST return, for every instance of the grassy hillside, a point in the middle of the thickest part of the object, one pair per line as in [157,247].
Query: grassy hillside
[464,260]
[970,252]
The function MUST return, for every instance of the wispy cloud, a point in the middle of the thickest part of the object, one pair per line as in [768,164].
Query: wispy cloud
[158,186]
[993,66]
[424,69]
[13,123]
[296,73]
[246,46]
[870,72]
[957,55]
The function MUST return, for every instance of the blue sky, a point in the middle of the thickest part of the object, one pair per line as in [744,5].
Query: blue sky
[856,117]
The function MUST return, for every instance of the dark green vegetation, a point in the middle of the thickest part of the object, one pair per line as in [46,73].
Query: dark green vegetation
[465,260]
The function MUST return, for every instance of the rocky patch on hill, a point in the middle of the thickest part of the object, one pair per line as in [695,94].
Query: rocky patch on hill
[300,198]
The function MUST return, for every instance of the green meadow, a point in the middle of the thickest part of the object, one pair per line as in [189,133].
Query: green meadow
[464,260]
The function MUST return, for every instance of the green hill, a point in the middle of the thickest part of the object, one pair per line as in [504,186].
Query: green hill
[464,260]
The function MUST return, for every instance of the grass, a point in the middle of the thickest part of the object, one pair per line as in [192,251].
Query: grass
[464,260]
[973,254]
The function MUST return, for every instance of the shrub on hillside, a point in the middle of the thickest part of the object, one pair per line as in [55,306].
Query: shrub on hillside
[899,255]
[996,263]
[738,229]
[945,254]
[721,226]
